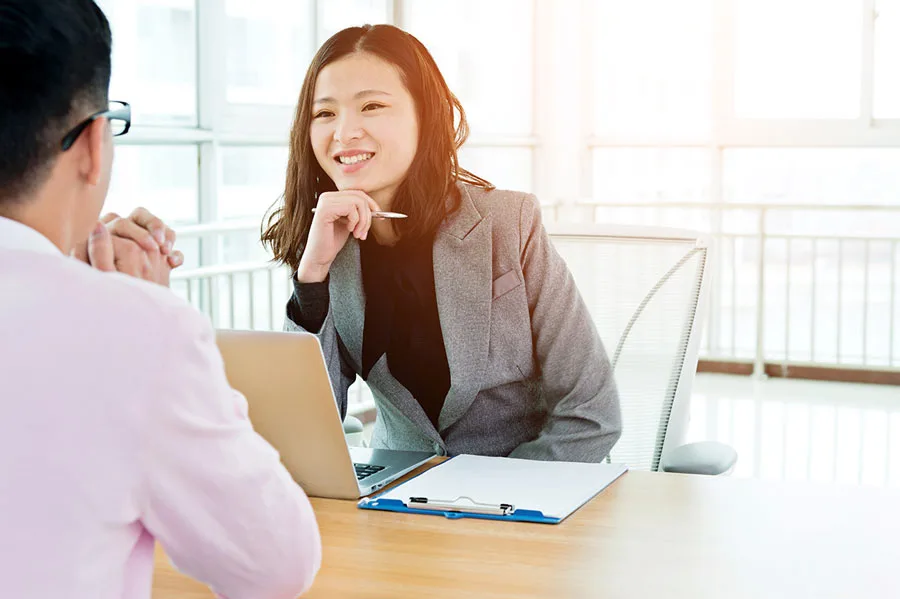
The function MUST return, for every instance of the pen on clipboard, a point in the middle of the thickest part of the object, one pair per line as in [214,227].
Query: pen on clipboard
[455,505]
[381,214]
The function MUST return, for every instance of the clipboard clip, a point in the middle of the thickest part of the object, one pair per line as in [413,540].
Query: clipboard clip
[461,504]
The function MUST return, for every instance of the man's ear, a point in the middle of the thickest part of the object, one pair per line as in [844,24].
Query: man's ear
[93,139]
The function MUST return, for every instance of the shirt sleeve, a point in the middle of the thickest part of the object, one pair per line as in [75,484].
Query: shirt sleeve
[215,494]
[308,305]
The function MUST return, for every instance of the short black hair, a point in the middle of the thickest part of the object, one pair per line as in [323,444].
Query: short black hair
[55,60]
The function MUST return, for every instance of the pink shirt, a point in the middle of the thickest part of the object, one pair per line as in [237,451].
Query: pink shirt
[118,428]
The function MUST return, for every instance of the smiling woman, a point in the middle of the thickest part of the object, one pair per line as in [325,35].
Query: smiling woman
[357,99]
[462,318]
[366,140]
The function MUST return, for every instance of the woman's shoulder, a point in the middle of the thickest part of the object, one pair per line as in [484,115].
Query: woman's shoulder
[501,204]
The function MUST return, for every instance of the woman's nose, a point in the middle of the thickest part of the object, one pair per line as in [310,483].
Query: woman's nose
[348,129]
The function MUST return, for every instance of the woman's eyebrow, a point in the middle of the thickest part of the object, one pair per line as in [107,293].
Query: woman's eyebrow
[360,94]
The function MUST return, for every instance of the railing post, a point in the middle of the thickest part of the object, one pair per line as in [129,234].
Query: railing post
[759,364]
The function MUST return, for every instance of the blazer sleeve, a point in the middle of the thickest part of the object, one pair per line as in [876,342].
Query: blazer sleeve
[584,419]
[340,371]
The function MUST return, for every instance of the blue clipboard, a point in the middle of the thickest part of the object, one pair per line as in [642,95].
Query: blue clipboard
[496,488]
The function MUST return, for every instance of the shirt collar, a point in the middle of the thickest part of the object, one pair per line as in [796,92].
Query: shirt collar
[16,236]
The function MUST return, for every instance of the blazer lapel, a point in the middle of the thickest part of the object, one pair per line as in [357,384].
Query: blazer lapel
[462,280]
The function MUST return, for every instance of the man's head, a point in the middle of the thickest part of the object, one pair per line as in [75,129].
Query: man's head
[54,74]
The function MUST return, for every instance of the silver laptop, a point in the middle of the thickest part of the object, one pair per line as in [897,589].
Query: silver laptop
[284,378]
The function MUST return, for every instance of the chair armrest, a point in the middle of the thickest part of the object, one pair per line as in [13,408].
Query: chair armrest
[353,432]
[352,425]
[707,457]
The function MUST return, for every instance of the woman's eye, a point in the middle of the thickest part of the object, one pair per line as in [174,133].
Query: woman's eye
[323,114]
[372,106]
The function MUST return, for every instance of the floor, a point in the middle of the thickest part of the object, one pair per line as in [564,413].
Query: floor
[802,430]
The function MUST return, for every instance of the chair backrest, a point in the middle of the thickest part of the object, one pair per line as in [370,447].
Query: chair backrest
[646,289]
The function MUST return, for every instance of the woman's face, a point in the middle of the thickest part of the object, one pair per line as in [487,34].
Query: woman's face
[364,131]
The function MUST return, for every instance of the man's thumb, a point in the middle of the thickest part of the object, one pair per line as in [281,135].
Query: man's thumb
[100,249]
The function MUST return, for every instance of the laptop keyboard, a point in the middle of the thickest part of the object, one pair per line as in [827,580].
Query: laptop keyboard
[365,470]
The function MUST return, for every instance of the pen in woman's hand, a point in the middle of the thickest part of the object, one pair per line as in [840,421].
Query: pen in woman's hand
[379,214]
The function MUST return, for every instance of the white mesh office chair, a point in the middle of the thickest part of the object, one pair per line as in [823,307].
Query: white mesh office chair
[646,289]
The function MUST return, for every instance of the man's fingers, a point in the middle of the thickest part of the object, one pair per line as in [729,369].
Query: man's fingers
[129,229]
[131,259]
[157,227]
[169,245]
[100,249]
[146,268]
[176,259]
[108,218]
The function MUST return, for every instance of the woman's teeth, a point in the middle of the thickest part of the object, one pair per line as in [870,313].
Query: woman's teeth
[355,159]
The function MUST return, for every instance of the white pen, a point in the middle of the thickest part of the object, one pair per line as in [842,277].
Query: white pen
[380,214]
[455,505]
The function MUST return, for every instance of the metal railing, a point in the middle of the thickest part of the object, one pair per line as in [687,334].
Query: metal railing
[247,295]
[236,296]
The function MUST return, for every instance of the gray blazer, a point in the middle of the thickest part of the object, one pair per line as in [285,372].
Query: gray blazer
[529,377]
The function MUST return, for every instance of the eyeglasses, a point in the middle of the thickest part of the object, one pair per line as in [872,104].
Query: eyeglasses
[118,115]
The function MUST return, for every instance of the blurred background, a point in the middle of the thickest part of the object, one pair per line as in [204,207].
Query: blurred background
[772,125]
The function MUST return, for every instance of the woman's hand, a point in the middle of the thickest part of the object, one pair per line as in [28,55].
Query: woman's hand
[339,214]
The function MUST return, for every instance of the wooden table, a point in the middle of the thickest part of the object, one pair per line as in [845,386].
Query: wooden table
[648,535]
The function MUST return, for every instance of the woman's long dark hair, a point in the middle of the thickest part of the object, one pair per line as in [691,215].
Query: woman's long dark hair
[433,174]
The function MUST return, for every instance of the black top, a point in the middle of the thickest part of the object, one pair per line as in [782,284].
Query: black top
[401,318]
